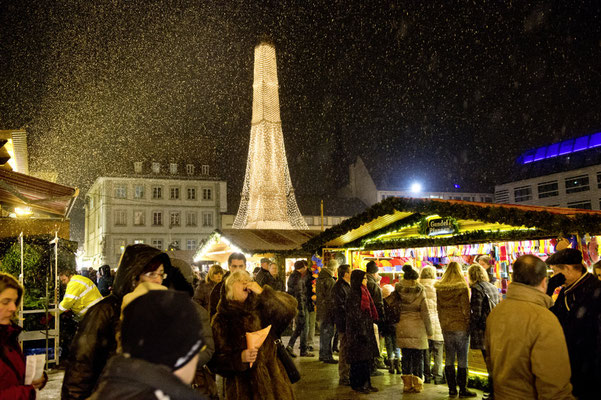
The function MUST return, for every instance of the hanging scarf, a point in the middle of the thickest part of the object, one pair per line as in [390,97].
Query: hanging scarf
[367,304]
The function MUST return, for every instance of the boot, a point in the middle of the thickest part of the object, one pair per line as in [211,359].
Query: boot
[449,372]
[462,381]
[418,384]
[407,383]
[397,366]
[391,364]
[427,379]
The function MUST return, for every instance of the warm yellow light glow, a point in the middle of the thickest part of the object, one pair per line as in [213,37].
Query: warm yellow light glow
[23,212]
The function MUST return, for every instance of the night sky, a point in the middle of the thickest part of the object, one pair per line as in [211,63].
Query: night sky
[444,93]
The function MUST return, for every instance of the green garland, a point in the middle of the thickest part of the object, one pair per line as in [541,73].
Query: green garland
[543,221]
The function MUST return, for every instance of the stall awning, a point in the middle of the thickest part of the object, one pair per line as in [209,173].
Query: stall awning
[252,241]
[398,223]
[20,190]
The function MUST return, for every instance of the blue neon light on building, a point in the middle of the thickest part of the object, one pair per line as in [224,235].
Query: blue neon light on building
[568,146]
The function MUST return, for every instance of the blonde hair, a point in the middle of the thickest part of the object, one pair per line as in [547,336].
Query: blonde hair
[453,274]
[214,270]
[236,276]
[476,273]
[428,273]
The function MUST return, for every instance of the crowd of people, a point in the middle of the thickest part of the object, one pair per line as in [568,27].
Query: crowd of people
[156,331]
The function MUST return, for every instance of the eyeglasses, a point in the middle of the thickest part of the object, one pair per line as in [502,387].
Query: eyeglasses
[154,275]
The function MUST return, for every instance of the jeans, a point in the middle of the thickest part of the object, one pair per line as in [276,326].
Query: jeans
[434,351]
[310,327]
[392,351]
[301,328]
[359,375]
[412,362]
[325,340]
[456,343]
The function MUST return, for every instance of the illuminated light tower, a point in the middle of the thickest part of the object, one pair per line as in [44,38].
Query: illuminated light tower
[267,200]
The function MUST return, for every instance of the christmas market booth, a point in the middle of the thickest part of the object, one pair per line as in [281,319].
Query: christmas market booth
[281,245]
[399,231]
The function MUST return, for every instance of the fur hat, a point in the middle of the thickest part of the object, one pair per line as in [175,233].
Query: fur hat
[162,327]
[371,267]
[565,256]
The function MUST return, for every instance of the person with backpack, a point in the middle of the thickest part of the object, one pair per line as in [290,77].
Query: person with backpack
[485,297]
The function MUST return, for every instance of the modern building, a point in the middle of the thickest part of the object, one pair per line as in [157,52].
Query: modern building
[165,205]
[563,174]
[362,185]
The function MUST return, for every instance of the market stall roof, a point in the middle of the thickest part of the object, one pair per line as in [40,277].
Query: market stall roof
[253,241]
[397,222]
[20,190]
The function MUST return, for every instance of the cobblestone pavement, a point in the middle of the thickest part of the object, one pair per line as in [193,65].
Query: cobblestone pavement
[319,381]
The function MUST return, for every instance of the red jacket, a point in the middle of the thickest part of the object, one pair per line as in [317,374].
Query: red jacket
[12,366]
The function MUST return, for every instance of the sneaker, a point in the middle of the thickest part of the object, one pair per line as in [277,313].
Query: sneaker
[306,354]
[330,361]
[290,351]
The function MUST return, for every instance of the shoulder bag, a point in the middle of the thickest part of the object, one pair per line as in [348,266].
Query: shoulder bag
[289,366]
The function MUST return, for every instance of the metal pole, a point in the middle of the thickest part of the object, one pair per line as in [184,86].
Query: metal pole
[322,215]
[21,281]
[56,316]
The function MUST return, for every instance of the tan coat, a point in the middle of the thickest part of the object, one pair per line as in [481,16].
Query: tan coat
[414,327]
[428,285]
[527,351]
[453,303]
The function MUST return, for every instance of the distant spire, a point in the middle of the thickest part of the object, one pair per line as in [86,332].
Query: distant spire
[267,200]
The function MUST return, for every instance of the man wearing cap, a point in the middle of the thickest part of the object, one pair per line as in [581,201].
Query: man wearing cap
[297,289]
[264,277]
[578,308]
[373,286]
[160,337]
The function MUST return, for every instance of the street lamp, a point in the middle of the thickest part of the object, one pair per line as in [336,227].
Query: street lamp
[416,187]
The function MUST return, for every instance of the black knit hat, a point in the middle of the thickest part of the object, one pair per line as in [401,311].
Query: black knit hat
[409,274]
[371,267]
[565,256]
[162,327]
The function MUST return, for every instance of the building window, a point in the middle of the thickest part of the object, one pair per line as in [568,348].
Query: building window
[139,241]
[190,169]
[207,194]
[191,193]
[157,192]
[207,219]
[467,198]
[502,196]
[598,180]
[205,169]
[156,168]
[577,184]
[139,217]
[173,168]
[174,193]
[157,243]
[548,189]
[174,218]
[120,217]
[488,199]
[120,246]
[523,193]
[191,244]
[120,191]
[139,192]
[138,167]
[191,218]
[157,218]
[586,205]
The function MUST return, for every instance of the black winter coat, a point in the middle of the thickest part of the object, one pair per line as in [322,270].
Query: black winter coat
[376,295]
[476,301]
[309,281]
[340,293]
[360,334]
[325,298]
[136,379]
[298,290]
[264,277]
[578,309]
[94,342]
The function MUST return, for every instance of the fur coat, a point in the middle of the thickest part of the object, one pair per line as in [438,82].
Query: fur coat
[453,302]
[267,378]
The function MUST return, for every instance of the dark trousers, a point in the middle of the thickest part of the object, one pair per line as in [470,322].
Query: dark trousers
[359,374]
[412,362]
[490,390]
[301,328]
[434,352]
[326,332]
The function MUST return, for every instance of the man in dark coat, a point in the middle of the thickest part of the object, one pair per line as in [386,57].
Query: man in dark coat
[297,289]
[105,282]
[263,276]
[578,308]
[235,262]
[325,308]
[373,286]
[95,341]
[340,293]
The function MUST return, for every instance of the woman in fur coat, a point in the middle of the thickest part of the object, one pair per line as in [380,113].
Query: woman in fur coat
[361,341]
[453,302]
[246,307]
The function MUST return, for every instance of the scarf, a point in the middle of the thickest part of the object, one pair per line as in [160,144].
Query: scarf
[367,304]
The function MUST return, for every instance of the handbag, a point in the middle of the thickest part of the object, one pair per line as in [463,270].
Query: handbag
[289,366]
